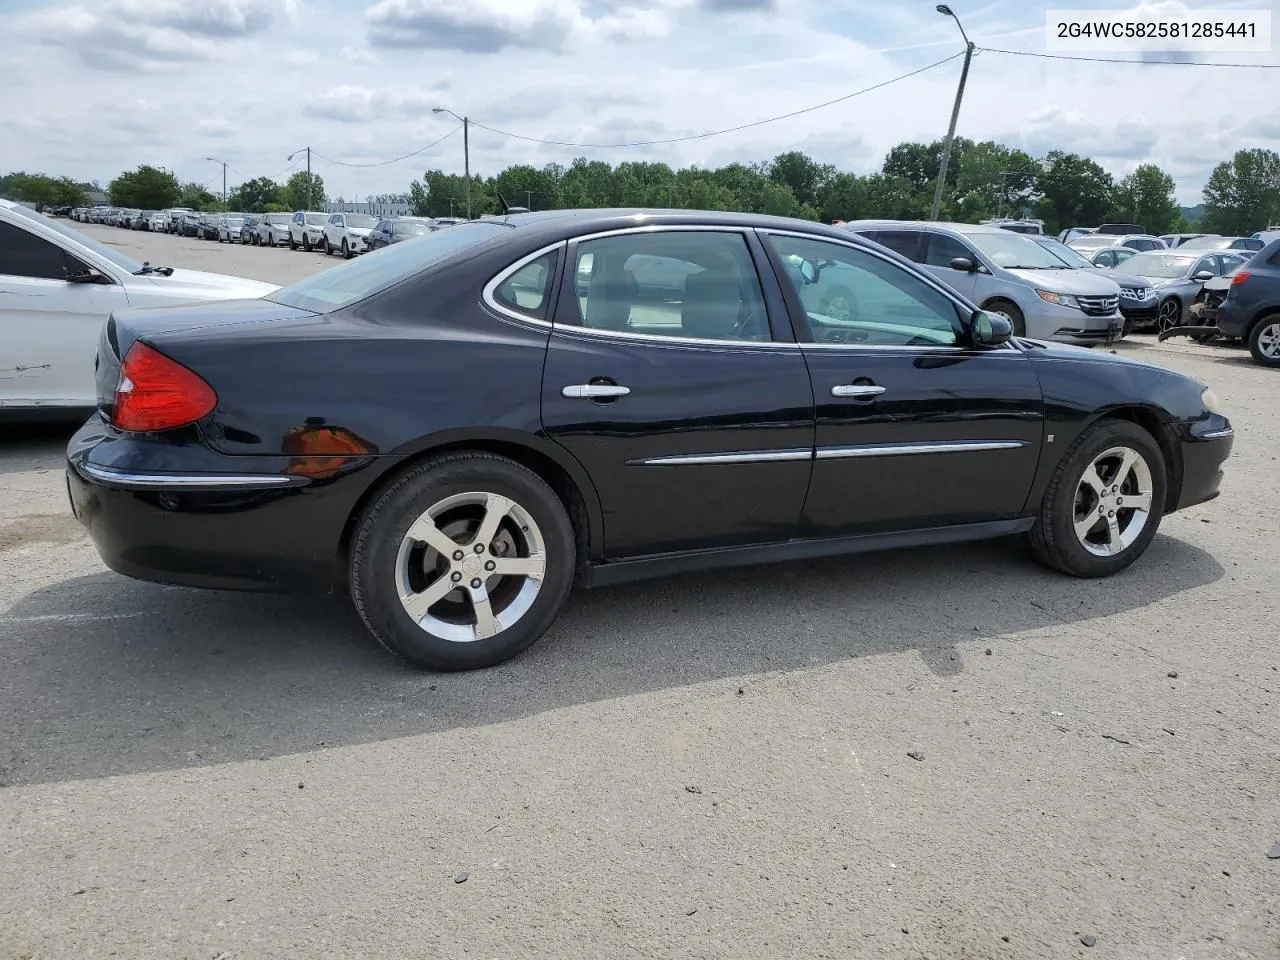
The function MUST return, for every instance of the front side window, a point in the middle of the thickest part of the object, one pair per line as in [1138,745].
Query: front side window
[1105,259]
[23,254]
[1207,263]
[526,290]
[675,283]
[943,249]
[336,220]
[853,296]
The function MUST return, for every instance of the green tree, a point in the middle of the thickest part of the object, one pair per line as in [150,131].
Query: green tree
[44,191]
[294,193]
[195,196]
[441,194]
[147,188]
[1146,197]
[1076,192]
[993,180]
[804,175]
[256,194]
[1243,194]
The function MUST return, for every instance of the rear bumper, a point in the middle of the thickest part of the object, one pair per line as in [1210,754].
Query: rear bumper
[237,523]
[1232,321]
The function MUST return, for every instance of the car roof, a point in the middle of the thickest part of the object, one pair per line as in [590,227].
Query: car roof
[928,225]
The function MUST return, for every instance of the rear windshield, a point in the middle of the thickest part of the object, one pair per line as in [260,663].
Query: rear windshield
[357,280]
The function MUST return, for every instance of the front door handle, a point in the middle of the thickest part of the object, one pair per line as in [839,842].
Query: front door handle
[860,391]
[594,391]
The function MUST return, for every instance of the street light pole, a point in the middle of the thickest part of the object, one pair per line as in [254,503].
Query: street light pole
[946,11]
[289,159]
[224,180]
[466,149]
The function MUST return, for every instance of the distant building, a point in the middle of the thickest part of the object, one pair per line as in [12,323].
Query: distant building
[369,207]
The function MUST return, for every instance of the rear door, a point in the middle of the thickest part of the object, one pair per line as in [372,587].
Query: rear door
[671,375]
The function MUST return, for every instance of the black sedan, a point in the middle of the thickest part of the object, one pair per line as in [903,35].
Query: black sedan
[455,431]
[397,230]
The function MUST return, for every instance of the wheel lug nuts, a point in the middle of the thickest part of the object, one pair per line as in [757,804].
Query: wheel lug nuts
[456,577]
[1111,514]
[475,584]
[479,548]
[490,565]
[457,554]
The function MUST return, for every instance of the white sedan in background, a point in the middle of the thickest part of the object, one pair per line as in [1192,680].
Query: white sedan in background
[57,287]
[348,233]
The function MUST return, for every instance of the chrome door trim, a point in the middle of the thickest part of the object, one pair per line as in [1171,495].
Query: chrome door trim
[708,459]
[906,449]
[857,390]
[593,391]
[216,481]
[491,301]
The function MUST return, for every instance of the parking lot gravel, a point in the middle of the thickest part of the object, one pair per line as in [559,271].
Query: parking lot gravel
[949,753]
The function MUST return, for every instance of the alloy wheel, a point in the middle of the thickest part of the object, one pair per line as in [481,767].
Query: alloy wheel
[1269,340]
[1113,501]
[470,567]
[838,308]
[1170,314]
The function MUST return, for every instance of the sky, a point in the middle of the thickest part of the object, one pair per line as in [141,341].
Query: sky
[95,87]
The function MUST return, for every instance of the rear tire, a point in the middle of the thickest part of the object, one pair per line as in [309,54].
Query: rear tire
[1264,341]
[1009,310]
[452,500]
[1104,502]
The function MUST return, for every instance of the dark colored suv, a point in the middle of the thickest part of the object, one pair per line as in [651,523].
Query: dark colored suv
[1251,308]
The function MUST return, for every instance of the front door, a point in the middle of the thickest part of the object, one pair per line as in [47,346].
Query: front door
[915,428]
[665,380]
[49,328]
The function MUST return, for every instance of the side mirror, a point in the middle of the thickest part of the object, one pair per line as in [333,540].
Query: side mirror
[989,329]
[1203,275]
[808,271]
[963,264]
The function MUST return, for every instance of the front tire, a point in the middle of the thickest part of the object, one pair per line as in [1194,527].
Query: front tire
[1170,315]
[1010,311]
[1104,502]
[1264,341]
[346,249]
[463,562]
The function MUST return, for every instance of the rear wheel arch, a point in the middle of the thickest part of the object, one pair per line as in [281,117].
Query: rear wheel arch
[566,478]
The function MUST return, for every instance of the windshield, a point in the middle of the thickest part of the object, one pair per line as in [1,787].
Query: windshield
[1014,251]
[317,218]
[280,218]
[358,279]
[1166,266]
[61,227]
[1209,243]
[361,220]
[1093,241]
[1064,253]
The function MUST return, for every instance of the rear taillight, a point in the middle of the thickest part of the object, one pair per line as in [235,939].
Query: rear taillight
[156,393]
[1239,278]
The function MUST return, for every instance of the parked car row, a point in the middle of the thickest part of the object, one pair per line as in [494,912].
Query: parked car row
[346,234]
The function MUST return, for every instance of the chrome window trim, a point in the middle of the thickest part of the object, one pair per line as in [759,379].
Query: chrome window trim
[904,449]
[124,478]
[660,340]
[699,459]
[490,301]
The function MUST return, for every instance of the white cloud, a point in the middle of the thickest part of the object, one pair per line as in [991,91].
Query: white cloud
[350,104]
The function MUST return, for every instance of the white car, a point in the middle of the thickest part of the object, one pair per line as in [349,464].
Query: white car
[348,233]
[57,287]
[306,230]
[159,221]
[272,229]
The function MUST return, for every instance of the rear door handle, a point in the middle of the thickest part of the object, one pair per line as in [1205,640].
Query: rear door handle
[859,391]
[594,391]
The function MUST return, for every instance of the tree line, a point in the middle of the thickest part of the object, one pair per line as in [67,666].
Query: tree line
[984,180]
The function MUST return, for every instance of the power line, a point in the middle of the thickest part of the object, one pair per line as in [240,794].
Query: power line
[716,133]
[1169,63]
[383,163]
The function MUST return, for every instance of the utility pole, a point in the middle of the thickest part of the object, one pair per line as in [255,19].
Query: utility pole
[466,149]
[528,199]
[946,11]
[224,180]
[289,159]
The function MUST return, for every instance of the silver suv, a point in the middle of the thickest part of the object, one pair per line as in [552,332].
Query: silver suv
[1008,274]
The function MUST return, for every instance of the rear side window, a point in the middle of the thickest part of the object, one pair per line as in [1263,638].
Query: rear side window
[904,242]
[527,290]
[23,254]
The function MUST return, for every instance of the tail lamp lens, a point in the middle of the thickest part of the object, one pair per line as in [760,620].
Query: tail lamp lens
[156,393]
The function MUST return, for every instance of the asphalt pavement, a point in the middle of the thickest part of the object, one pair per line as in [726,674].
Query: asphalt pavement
[947,753]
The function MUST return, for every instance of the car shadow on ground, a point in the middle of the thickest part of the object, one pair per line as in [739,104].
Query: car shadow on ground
[105,675]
